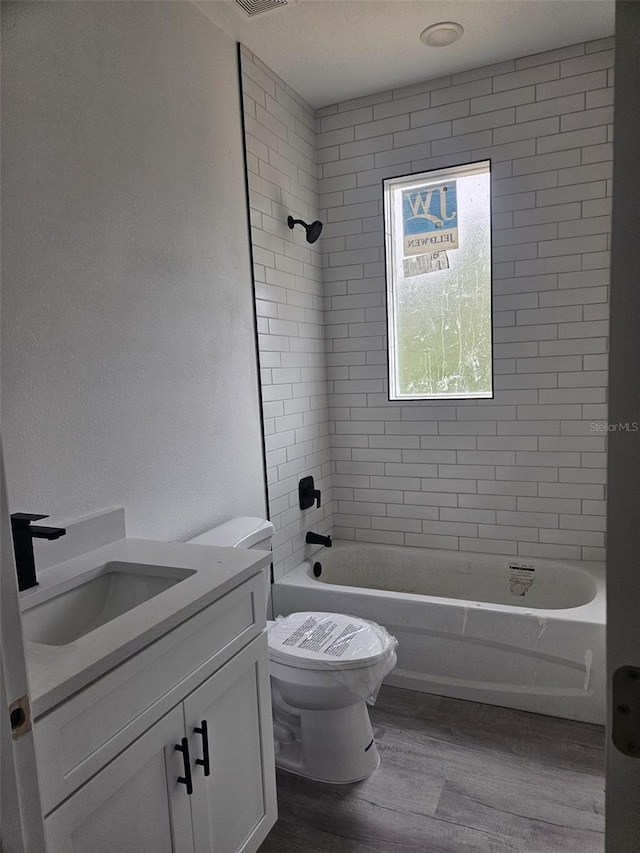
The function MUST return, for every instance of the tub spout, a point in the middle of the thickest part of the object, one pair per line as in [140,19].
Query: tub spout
[317,539]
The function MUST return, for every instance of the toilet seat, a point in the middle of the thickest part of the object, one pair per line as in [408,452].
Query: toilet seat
[327,641]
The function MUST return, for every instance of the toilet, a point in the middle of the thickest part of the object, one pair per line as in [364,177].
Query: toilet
[324,669]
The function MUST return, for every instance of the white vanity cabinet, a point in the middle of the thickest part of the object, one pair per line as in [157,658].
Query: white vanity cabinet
[132,804]
[232,806]
[112,778]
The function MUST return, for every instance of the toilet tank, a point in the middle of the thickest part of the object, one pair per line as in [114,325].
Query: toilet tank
[244,532]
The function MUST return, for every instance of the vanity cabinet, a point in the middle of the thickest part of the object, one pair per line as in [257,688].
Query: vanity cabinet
[132,804]
[132,791]
[228,722]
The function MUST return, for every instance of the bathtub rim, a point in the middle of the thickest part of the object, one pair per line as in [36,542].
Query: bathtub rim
[593,612]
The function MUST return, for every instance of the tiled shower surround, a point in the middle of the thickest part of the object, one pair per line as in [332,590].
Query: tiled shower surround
[522,474]
[280,142]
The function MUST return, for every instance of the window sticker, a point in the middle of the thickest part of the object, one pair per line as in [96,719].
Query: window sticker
[430,218]
[421,264]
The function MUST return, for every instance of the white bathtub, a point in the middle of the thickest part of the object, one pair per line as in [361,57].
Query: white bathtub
[470,625]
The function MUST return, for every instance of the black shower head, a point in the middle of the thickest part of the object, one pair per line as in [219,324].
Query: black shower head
[313,231]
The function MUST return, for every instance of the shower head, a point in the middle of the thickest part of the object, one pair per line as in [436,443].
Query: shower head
[313,231]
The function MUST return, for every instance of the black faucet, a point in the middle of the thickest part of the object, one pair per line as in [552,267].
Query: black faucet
[317,539]
[23,536]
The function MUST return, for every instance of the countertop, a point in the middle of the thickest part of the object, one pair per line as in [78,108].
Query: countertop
[55,672]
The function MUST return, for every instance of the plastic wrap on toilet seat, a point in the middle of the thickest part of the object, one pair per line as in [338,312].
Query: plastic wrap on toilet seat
[356,652]
[366,683]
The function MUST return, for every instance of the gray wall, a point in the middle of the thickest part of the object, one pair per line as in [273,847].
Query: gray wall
[128,353]
[523,474]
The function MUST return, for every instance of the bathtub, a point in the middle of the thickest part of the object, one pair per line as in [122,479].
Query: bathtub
[526,634]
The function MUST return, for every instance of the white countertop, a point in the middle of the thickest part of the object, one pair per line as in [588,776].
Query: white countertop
[55,672]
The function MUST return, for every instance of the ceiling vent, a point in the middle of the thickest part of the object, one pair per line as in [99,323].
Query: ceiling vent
[251,8]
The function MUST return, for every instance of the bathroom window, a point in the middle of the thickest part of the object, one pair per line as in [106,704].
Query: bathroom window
[438,254]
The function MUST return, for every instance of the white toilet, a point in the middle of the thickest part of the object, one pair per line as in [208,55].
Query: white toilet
[324,667]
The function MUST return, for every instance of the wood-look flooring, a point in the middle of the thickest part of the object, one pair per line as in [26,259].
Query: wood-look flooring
[455,777]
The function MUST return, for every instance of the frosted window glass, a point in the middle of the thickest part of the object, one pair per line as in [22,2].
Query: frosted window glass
[438,253]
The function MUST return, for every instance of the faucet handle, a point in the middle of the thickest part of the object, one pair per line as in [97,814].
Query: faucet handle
[307,493]
[23,519]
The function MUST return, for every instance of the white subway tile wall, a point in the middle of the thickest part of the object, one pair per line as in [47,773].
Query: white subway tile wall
[280,140]
[524,474]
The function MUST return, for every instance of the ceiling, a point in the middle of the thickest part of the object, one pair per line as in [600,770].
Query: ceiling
[334,50]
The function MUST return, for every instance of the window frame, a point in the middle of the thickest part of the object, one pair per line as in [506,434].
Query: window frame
[406,181]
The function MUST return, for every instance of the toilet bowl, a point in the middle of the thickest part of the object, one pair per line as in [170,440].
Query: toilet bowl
[324,669]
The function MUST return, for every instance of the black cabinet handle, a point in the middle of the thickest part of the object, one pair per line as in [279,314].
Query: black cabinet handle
[204,761]
[183,747]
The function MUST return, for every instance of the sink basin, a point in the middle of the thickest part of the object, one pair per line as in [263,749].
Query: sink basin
[100,596]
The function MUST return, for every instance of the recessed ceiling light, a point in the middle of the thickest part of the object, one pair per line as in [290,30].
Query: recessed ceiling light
[441,34]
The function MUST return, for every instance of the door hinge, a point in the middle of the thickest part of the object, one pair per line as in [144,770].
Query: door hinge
[20,717]
[626,710]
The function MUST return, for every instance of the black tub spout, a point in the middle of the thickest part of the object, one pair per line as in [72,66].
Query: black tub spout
[317,539]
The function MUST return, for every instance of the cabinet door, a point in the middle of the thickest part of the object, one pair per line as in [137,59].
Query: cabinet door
[234,807]
[133,805]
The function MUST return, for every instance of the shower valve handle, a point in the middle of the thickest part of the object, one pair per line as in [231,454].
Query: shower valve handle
[307,493]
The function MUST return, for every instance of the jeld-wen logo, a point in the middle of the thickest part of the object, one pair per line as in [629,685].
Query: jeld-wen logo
[430,218]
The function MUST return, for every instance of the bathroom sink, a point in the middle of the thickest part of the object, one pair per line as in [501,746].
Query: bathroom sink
[101,596]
